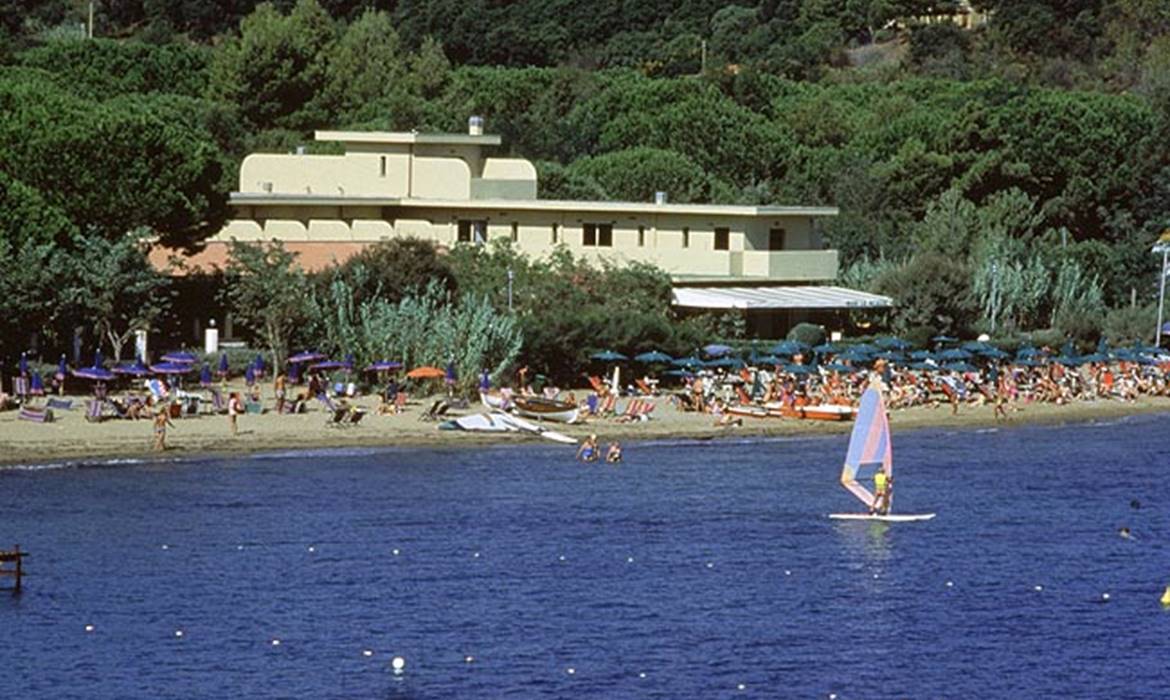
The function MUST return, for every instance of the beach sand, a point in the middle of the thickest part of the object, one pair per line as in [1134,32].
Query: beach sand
[70,438]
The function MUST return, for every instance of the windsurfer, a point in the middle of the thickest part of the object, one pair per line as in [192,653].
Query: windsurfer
[883,484]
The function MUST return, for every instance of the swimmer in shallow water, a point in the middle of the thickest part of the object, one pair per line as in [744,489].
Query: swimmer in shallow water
[614,454]
[589,451]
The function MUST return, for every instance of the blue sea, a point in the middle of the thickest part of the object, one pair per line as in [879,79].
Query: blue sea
[693,570]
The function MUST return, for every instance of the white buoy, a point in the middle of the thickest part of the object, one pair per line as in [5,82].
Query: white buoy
[89,628]
[367,652]
[240,547]
[312,549]
[1039,588]
[398,664]
[950,584]
[642,674]
[741,686]
[165,547]
[1105,597]
[875,575]
[710,565]
[571,671]
[562,557]
[179,633]
[629,560]
[476,555]
[832,696]
[275,642]
[468,659]
[787,572]
[394,552]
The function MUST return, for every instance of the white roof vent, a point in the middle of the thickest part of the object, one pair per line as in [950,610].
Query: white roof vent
[660,198]
[475,125]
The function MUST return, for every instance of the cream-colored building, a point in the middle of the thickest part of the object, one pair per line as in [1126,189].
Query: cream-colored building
[451,189]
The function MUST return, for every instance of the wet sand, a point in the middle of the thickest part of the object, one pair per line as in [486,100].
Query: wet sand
[70,438]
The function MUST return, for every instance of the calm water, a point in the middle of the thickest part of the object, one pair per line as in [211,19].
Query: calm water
[703,566]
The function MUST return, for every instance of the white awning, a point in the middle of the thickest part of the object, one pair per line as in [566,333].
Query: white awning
[776,298]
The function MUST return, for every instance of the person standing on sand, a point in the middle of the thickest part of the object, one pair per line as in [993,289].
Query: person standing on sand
[235,408]
[161,420]
[279,389]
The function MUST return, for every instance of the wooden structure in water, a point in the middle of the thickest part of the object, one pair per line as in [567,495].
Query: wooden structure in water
[15,558]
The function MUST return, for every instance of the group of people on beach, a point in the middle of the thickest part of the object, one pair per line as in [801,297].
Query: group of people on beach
[590,451]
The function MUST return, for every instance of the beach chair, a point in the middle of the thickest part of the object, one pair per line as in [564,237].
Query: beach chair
[93,410]
[20,387]
[608,406]
[631,412]
[157,389]
[437,410]
[744,397]
[598,385]
[644,388]
[60,404]
[36,415]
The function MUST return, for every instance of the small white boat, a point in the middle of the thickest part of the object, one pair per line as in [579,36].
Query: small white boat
[545,409]
[525,426]
[494,401]
[478,423]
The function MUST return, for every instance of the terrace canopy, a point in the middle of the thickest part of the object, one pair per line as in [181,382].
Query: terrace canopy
[749,298]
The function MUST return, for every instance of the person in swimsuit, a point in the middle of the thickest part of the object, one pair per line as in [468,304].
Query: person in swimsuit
[614,454]
[589,451]
[161,420]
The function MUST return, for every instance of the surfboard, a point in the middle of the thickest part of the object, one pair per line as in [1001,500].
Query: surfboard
[899,518]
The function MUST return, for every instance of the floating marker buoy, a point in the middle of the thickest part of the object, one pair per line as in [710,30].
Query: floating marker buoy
[394,552]
[741,686]
[468,659]
[312,549]
[240,547]
[571,670]
[710,565]
[832,696]
[89,628]
[275,642]
[1166,597]
[787,572]
[476,555]
[629,560]
[875,575]
[1105,597]
[179,633]
[642,674]
[165,547]
[398,663]
[1039,588]
[562,557]
[367,652]
[950,584]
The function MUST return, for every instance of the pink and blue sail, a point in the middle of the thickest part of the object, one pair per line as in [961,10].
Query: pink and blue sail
[869,446]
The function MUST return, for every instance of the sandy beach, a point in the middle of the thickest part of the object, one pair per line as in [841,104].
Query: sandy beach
[71,438]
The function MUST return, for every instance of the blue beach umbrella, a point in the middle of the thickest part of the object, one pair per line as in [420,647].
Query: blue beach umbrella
[181,358]
[923,366]
[825,349]
[716,350]
[789,347]
[304,356]
[853,355]
[954,354]
[1028,351]
[97,374]
[62,368]
[940,339]
[995,353]
[383,366]
[838,367]
[689,363]
[892,343]
[205,375]
[798,369]
[921,355]
[653,357]
[350,360]
[727,362]
[23,364]
[223,365]
[959,367]
[767,360]
[678,373]
[485,381]
[258,366]
[250,375]
[608,356]
[327,365]
[171,368]
[451,377]
[890,356]
[36,385]
[137,369]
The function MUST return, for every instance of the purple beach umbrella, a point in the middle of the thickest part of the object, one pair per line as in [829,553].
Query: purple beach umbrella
[327,365]
[384,366]
[250,375]
[97,374]
[205,375]
[136,369]
[62,369]
[184,358]
[306,356]
[23,364]
[223,365]
[173,368]
[37,385]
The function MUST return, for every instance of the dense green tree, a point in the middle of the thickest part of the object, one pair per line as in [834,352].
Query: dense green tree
[392,270]
[636,174]
[268,293]
[105,68]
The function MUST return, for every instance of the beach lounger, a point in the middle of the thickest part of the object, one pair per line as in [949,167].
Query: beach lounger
[644,388]
[608,406]
[60,404]
[257,408]
[598,385]
[36,415]
[20,386]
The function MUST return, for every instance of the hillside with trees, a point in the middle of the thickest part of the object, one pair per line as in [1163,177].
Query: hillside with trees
[1009,177]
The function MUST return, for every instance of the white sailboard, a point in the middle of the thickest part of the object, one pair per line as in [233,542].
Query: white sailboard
[870,447]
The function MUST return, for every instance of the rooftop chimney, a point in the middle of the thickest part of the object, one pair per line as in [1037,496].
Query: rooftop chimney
[475,125]
[660,198]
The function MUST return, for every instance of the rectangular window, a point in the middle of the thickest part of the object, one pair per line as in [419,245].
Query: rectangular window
[471,231]
[589,235]
[641,236]
[605,235]
[777,238]
[515,232]
[686,237]
[383,167]
[722,239]
[464,231]
[597,235]
[556,233]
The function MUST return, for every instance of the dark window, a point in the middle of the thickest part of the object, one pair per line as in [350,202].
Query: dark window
[556,233]
[464,231]
[605,235]
[686,237]
[589,235]
[515,232]
[722,239]
[641,236]
[776,239]
[472,231]
[383,169]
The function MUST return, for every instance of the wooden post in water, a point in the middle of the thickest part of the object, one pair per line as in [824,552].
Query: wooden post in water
[18,570]
[16,557]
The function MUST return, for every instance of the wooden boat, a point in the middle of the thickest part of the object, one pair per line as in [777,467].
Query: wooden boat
[824,411]
[870,448]
[544,409]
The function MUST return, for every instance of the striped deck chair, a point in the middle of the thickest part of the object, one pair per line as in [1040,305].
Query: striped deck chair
[608,406]
[94,410]
[644,388]
[36,415]
[60,404]
[647,409]
[744,397]
[20,387]
[633,409]
[599,386]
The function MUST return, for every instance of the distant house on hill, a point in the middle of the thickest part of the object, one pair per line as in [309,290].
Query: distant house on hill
[959,12]
[450,189]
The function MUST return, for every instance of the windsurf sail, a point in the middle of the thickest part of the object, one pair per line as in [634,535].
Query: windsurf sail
[869,446]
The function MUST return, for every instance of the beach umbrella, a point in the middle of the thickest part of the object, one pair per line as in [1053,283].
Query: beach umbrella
[825,349]
[689,363]
[181,358]
[728,362]
[450,373]
[205,375]
[1028,351]
[98,360]
[137,369]
[975,346]
[223,365]
[327,365]
[890,356]
[798,369]
[940,339]
[250,375]
[62,368]
[383,366]
[921,355]
[172,368]
[866,348]
[23,364]
[654,356]
[767,360]
[305,356]
[36,384]
[994,353]
[608,356]
[678,373]
[1094,358]
[258,366]
[485,381]
[853,355]
[97,374]
[923,365]
[789,347]
[954,354]
[716,350]
[1067,361]
[426,372]
[892,343]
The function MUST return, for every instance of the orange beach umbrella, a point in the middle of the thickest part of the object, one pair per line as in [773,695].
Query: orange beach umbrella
[426,373]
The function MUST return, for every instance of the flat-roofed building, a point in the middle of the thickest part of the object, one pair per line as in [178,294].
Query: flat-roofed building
[449,189]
